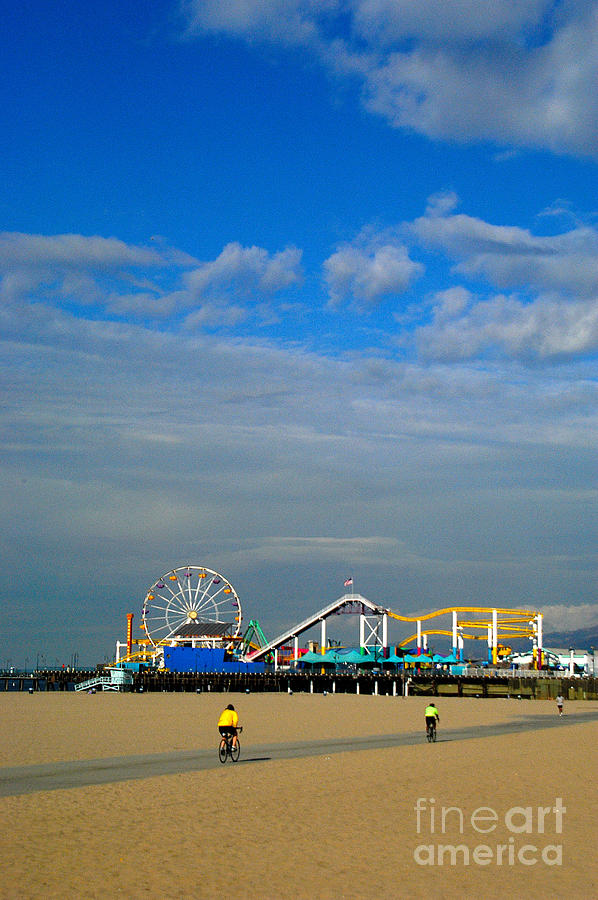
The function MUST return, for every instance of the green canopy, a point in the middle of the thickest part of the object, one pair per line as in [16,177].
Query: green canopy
[313,659]
[371,659]
[354,658]
[393,658]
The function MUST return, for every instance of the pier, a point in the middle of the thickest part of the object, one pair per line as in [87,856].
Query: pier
[494,683]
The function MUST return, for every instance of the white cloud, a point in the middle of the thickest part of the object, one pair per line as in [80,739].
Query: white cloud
[135,305]
[291,21]
[453,20]
[215,315]
[561,617]
[110,274]
[360,550]
[441,204]
[549,310]
[81,287]
[508,94]
[541,330]
[518,72]
[450,303]
[72,251]
[369,270]
[377,22]
[247,269]
[16,284]
[511,257]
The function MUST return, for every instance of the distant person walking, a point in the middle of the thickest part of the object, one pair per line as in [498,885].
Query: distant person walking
[559,704]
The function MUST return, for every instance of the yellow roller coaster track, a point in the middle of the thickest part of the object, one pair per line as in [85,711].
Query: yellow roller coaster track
[524,629]
[473,637]
[523,614]
[467,637]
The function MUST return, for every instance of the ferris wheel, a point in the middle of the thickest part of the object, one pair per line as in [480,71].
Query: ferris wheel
[190,596]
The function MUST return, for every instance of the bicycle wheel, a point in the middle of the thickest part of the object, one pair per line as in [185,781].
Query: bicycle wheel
[235,752]
[434,733]
[222,751]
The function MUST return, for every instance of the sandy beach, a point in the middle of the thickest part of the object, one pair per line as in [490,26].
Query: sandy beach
[456,817]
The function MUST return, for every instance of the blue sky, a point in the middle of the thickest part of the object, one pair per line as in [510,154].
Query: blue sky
[297,290]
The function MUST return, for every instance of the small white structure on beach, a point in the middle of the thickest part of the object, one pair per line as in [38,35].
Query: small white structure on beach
[118,680]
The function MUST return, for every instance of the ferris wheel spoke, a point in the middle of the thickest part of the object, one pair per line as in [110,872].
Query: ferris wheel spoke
[212,597]
[155,605]
[176,610]
[158,615]
[219,603]
[164,634]
[205,601]
[179,604]
[161,598]
[166,612]
[197,588]
[161,633]
[176,613]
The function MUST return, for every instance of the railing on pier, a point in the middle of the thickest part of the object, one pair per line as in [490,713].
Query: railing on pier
[486,672]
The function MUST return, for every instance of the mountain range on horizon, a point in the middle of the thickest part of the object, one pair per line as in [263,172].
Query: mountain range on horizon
[580,639]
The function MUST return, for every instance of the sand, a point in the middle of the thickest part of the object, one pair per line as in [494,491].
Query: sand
[333,826]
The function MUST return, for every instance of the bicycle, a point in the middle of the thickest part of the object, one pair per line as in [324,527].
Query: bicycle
[226,748]
[431,732]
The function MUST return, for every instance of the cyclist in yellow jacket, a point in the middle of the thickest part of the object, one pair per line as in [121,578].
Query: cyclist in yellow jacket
[227,723]
[431,715]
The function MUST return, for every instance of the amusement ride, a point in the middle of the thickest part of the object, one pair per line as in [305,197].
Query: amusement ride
[196,609]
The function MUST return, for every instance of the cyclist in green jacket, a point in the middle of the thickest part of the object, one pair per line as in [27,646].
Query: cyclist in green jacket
[432,716]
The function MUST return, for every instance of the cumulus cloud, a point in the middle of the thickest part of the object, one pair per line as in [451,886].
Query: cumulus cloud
[81,270]
[456,20]
[510,256]
[377,22]
[215,315]
[542,330]
[246,268]
[72,251]
[109,274]
[293,21]
[519,72]
[441,204]
[369,270]
[535,297]
[534,96]
[451,303]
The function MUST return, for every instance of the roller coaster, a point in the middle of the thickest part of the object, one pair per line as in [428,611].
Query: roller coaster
[494,625]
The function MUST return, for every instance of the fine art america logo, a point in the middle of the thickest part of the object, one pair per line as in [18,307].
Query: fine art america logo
[435,823]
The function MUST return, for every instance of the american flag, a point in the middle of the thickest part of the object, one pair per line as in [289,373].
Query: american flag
[348,582]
